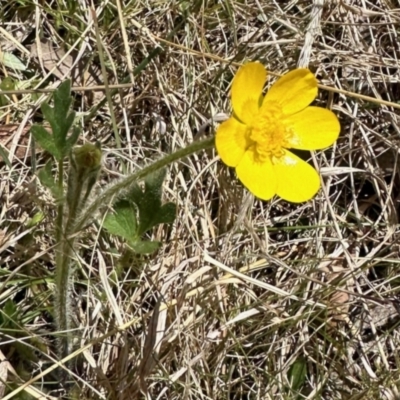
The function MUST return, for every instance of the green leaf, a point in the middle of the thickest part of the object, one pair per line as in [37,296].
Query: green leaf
[151,212]
[166,214]
[4,156]
[48,113]
[136,194]
[62,100]
[67,123]
[7,83]
[12,62]
[46,141]
[61,120]
[145,247]
[35,220]
[8,315]
[73,138]
[297,374]
[146,205]
[122,222]
[47,179]
[149,201]
[153,184]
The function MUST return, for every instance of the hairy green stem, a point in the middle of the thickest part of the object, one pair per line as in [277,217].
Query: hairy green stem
[63,268]
[60,209]
[105,197]
[62,305]
[59,307]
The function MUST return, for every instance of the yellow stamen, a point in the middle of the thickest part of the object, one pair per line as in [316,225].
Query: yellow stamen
[270,133]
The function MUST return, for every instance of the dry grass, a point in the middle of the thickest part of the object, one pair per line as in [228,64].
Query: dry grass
[247,299]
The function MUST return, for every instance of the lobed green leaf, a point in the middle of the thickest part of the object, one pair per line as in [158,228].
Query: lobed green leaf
[61,119]
[46,141]
[122,222]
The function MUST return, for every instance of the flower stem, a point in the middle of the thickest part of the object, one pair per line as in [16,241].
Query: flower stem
[63,271]
[105,197]
[60,208]
[81,171]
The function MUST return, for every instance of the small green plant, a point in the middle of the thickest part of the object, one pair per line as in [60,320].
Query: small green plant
[135,211]
[139,212]
[296,376]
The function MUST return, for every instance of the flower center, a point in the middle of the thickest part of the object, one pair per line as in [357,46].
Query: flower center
[270,133]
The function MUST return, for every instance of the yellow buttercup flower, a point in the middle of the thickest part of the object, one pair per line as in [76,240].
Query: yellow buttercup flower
[256,139]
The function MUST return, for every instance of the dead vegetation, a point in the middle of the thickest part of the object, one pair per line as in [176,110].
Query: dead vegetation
[246,300]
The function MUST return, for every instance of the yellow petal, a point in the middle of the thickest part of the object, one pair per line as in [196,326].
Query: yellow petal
[259,178]
[247,89]
[314,128]
[231,141]
[298,181]
[294,91]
